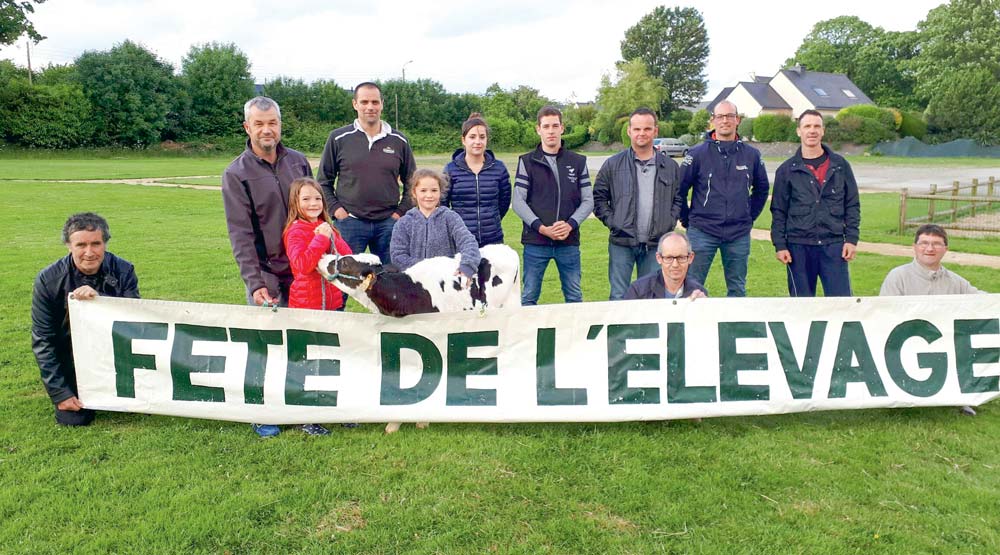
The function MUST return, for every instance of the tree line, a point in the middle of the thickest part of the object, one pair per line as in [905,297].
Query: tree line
[941,81]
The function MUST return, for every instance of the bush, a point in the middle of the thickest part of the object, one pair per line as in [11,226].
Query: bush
[576,138]
[505,133]
[856,129]
[912,125]
[869,111]
[623,133]
[529,137]
[769,128]
[666,129]
[699,123]
[745,130]
[689,139]
[43,116]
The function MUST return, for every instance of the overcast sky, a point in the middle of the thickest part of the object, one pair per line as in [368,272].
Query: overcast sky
[559,47]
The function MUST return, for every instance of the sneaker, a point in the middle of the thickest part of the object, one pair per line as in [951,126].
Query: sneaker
[350,425]
[266,430]
[315,430]
[967,411]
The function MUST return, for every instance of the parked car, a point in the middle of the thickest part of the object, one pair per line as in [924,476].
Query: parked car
[673,147]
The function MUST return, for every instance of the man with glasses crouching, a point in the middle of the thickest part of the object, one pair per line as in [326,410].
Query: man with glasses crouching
[671,281]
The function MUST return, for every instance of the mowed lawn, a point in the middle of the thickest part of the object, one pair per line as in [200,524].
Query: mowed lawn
[876,481]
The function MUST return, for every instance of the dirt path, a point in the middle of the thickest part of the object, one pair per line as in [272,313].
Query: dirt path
[147,182]
[888,249]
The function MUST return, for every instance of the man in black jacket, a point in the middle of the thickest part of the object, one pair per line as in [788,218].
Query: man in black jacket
[552,196]
[633,196]
[86,272]
[815,214]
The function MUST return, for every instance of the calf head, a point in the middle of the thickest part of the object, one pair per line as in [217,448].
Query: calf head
[353,274]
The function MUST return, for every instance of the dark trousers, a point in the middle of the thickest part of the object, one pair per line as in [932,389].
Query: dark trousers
[818,261]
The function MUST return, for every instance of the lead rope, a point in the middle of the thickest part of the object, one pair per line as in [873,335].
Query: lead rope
[322,283]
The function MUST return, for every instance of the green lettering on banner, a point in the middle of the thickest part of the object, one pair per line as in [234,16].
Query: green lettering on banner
[937,363]
[392,393]
[460,366]
[300,366]
[621,363]
[127,362]
[253,375]
[731,362]
[183,363]
[546,392]
[966,357]
[677,389]
[854,343]
[800,379]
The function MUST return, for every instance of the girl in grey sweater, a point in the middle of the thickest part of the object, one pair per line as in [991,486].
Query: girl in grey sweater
[429,229]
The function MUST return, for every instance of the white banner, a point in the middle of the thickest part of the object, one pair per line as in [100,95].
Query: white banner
[599,361]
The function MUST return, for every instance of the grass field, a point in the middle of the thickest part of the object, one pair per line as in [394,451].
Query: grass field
[876,481]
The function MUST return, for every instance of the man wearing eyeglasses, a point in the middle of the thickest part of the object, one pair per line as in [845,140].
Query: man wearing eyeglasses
[925,275]
[728,185]
[671,280]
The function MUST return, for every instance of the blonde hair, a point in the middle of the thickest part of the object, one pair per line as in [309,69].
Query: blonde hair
[294,212]
[422,173]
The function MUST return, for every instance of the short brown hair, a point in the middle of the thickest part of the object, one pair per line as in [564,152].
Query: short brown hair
[809,113]
[931,229]
[549,111]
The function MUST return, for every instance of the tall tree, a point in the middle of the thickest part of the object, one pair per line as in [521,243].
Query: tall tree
[673,44]
[320,101]
[634,88]
[218,82]
[833,45]
[131,92]
[14,20]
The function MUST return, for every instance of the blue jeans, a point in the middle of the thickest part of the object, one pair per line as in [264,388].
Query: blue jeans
[536,260]
[373,235]
[818,261]
[735,257]
[621,260]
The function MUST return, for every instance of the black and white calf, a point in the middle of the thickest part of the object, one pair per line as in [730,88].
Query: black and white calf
[428,286]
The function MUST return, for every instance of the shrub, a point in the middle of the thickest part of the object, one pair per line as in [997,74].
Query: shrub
[745,129]
[576,138]
[769,128]
[529,137]
[912,126]
[623,133]
[856,129]
[869,111]
[43,116]
[666,128]
[689,139]
[699,123]
[505,133]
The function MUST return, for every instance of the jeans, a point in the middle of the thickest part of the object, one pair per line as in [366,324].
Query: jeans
[823,261]
[373,235]
[735,257]
[621,260]
[536,260]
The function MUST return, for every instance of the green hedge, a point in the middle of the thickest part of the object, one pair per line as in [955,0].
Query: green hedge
[577,137]
[869,111]
[770,128]
[745,130]
[856,129]
[44,116]
[912,126]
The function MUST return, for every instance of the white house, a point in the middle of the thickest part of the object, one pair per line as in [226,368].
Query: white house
[793,91]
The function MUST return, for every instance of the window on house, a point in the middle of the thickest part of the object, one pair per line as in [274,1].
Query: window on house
[848,93]
[820,91]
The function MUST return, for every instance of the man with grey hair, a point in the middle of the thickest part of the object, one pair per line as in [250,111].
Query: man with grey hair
[671,279]
[85,273]
[728,186]
[255,196]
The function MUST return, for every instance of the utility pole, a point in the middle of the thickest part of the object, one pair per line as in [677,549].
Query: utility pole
[27,46]
[396,95]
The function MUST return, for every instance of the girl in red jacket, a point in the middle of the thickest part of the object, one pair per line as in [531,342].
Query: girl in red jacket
[308,236]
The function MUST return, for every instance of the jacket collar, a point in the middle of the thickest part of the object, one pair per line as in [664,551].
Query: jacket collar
[458,157]
[539,153]
[280,150]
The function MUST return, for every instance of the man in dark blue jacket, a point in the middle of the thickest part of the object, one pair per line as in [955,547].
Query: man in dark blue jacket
[728,185]
[552,196]
[815,214]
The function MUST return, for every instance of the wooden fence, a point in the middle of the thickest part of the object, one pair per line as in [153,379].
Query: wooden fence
[968,207]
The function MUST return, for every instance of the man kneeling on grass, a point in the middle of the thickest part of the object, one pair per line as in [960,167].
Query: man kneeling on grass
[86,272]
[670,280]
[925,275]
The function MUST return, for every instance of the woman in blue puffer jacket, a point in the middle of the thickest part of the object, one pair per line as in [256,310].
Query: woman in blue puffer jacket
[480,184]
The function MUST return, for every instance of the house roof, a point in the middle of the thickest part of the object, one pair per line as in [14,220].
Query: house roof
[813,83]
[767,97]
[719,98]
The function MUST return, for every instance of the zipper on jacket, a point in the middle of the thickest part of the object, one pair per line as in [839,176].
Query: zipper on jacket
[479,217]
[709,191]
